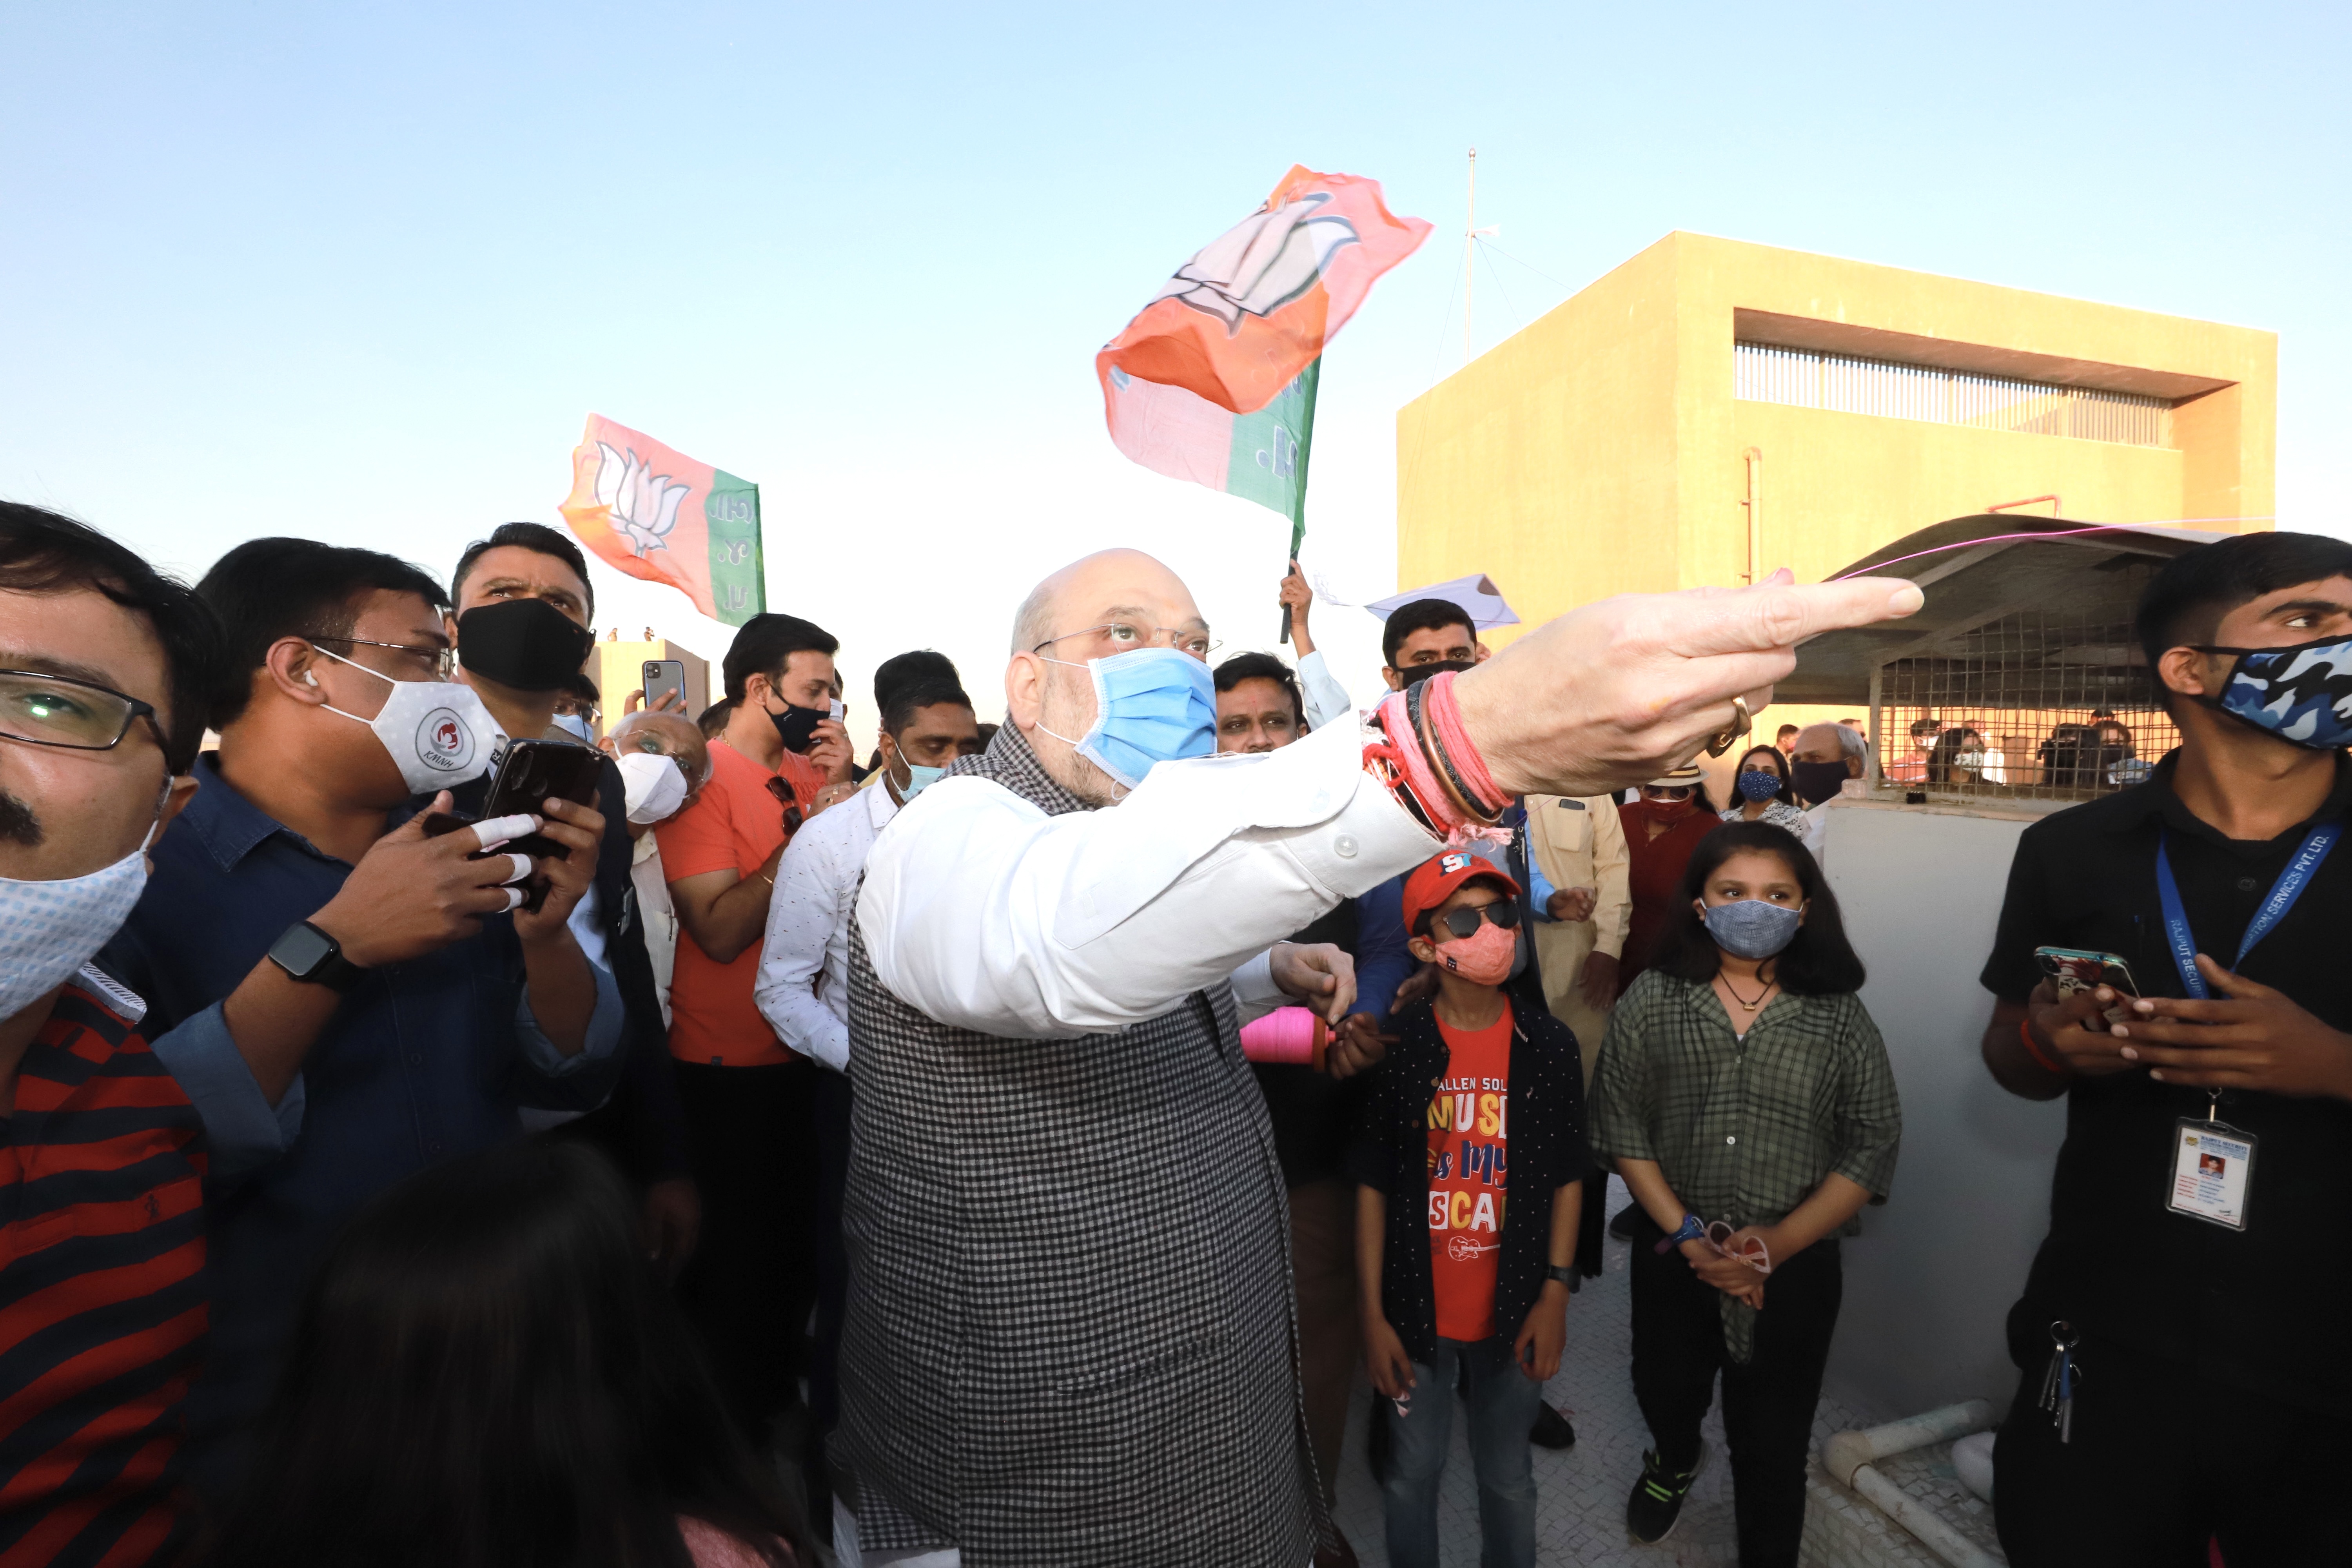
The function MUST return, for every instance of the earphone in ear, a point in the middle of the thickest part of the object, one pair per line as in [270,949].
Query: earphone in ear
[312,676]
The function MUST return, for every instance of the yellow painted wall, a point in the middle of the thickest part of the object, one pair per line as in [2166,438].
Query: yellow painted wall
[619,669]
[1601,449]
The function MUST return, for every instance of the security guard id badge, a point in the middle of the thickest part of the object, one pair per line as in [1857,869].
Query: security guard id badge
[2213,1170]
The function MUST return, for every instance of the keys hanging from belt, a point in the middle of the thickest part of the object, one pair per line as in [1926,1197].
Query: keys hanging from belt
[2058,1383]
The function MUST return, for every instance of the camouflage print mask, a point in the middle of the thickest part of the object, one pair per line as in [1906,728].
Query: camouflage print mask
[2302,694]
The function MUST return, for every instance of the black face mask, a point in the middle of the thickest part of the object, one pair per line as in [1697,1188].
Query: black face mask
[527,644]
[796,727]
[1414,674]
[1818,782]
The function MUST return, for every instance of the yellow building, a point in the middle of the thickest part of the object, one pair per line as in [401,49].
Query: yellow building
[1712,409]
[618,668]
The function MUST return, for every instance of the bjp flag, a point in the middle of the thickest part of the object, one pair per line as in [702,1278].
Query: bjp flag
[1214,382]
[660,515]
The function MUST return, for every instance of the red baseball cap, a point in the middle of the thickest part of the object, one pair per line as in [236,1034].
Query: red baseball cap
[1433,881]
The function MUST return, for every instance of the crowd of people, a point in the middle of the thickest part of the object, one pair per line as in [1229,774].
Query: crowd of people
[1012,1148]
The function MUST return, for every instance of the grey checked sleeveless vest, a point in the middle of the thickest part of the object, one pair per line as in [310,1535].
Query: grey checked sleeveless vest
[1070,1338]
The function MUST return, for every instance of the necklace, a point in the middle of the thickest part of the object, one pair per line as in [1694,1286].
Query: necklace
[1744,1001]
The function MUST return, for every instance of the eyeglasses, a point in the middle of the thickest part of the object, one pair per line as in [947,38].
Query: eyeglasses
[444,660]
[1126,637]
[1465,922]
[1669,792]
[52,711]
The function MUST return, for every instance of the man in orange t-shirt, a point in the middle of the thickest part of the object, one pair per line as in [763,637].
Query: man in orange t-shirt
[745,1096]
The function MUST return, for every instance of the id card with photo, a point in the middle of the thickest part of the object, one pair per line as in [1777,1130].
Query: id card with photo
[2212,1167]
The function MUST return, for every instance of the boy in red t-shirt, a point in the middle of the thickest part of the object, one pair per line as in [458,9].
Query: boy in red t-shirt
[1456,1285]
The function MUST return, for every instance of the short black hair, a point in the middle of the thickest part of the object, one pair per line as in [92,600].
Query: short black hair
[1787,729]
[535,536]
[583,688]
[2183,604]
[766,643]
[921,665]
[1262,667]
[713,721]
[908,698]
[266,589]
[1422,616]
[1821,961]
[43,552]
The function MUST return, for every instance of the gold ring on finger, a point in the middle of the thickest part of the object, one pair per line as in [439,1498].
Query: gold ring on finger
[1740,726]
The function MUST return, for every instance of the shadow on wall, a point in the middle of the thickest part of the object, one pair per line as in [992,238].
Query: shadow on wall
[1929,1282]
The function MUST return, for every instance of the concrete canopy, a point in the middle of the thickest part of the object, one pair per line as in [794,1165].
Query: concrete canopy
[1974,570]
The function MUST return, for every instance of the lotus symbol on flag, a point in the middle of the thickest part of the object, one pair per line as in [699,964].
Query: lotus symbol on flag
[1263,262]
[644,504]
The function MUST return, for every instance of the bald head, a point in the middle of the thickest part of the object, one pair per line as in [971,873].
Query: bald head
[670,735]
[1052,703]
[1124,585]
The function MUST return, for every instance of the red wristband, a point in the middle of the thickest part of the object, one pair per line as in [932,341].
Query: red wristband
[2033,1050]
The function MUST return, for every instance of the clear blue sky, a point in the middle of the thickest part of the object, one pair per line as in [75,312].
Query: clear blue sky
[359,271]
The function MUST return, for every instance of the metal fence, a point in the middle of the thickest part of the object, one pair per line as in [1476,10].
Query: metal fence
[1762,374]
[2038,705]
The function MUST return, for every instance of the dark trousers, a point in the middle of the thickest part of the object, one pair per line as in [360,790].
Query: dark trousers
[2163,1460]
[831,1114]
[1323,1279]
[1768,1404]
[751,1282]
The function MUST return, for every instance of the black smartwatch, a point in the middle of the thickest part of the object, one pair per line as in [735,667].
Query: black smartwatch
[309,955]
[1562,1276]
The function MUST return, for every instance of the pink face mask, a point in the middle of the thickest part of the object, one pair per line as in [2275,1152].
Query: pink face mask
[1484,959]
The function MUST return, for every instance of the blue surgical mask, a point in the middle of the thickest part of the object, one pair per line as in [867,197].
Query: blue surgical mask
[919,779]
[2302,694]
[1153,705]
[1758,785]
[1752,927]
[573,724]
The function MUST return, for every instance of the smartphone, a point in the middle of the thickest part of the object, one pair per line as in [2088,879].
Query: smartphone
[524,775]
[665,675]
[2078,969]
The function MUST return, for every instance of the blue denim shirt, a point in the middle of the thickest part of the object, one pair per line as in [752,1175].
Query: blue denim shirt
[423,1061]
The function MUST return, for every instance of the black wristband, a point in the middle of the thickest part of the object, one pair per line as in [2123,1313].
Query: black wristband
[309,955]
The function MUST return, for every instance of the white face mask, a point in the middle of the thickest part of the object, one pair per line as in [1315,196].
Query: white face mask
[652,786]
[49,930]
[438,731]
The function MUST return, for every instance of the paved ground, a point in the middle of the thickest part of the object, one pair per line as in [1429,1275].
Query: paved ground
[1580,1494]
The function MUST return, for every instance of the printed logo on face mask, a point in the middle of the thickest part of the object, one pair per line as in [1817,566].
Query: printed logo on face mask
[444,742]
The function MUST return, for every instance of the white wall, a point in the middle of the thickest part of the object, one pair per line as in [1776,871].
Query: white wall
[1930,1280]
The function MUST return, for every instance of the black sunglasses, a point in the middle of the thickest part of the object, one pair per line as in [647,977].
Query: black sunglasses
[1464,922]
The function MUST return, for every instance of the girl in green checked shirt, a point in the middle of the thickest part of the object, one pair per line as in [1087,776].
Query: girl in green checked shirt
[1746,1098]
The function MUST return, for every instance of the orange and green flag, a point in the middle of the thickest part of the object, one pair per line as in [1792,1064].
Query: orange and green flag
[1214,380]
[661,516]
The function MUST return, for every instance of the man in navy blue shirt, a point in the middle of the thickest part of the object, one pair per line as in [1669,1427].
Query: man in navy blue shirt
[345,999]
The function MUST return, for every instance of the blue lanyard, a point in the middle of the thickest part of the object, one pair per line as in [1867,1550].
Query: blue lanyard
[2300,869]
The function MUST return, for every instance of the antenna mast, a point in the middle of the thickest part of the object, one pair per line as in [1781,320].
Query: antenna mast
[1469,259]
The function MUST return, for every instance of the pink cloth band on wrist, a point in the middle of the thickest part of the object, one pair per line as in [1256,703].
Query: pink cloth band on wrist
[1445,715]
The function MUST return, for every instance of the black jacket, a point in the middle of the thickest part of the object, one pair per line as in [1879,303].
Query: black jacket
[640,1126]
[1391,1154]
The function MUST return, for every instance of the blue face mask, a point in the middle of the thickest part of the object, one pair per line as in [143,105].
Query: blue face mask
[919,779]
[1752,927]
[1758,785]
[2302,694]
[1153,705]
[575,725]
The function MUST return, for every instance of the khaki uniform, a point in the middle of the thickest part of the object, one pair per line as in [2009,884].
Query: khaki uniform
[1579,844]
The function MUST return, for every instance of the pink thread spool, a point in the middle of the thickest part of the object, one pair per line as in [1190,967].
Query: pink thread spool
[1287,1034]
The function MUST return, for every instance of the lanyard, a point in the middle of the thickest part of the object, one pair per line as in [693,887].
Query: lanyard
[2300,869]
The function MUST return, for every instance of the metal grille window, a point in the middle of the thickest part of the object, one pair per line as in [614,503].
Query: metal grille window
[2040,704]
[1762,374]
